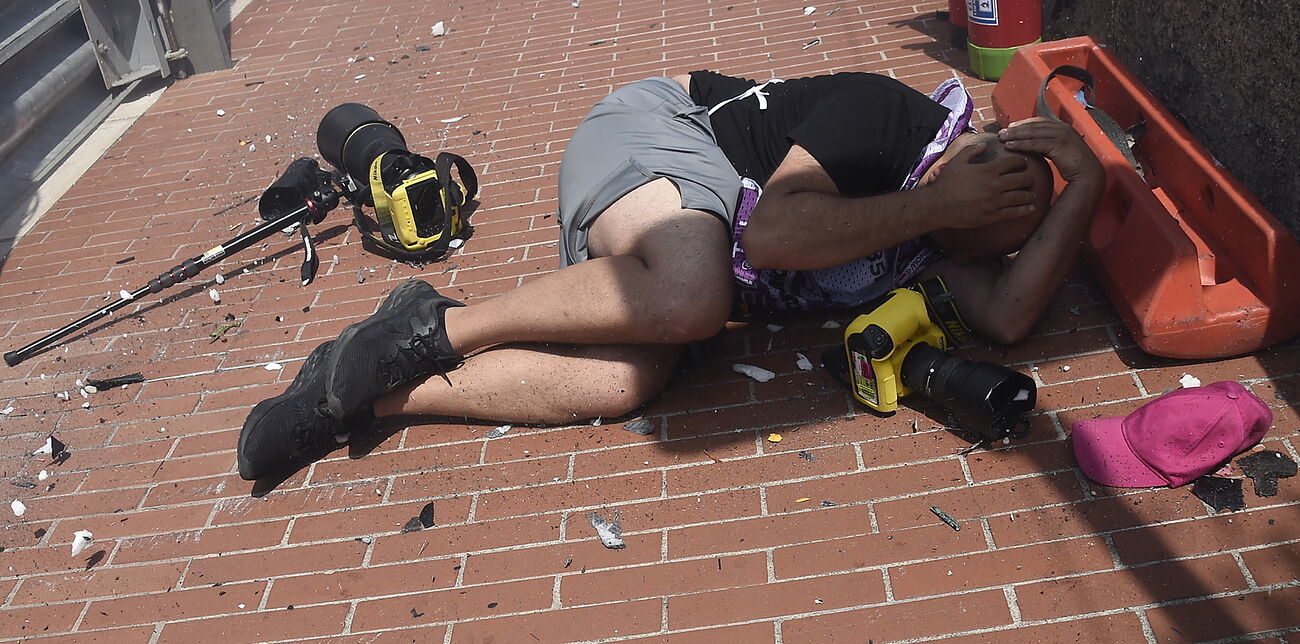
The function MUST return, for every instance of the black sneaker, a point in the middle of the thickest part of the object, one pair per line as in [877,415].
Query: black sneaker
[403,341]
[280,431]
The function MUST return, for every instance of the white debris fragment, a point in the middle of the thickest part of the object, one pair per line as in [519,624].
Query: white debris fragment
[351,59]
[808,11]
[757,373]
[500,431]
[1188,381]
[81,540]
[252,147]
[7,410]
[18,508]
[575,3]
[85,405]
[438,29]
[90,389]
[804,363]
[453,119]
[831,324]
[358,77]
[273,366]
[221,112]
[43,475]
[1021,396]
[597,422]
[62,395]
[124,294]
[216,297]
[219,279]
[48,447]
[456,243]
[267,138]
[774,327]
[1065,367]
[611,532]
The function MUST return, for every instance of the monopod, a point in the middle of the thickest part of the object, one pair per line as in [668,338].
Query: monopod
[303,185]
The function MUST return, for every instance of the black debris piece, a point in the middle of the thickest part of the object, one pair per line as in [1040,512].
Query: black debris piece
[415,614]
[808,456]
[413,525]
[1265,467]
[492,604]
[568,562]
[422,48]
[125,260]
[56,448]
[115,381]
[829,504]
[640,426]
[943,516]
[23,484]
[426,515]
[1219,493]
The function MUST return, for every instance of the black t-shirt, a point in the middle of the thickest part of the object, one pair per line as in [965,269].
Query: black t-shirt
[867,131]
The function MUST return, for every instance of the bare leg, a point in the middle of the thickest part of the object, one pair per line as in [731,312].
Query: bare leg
[660,274]
[542,384]
[660,277]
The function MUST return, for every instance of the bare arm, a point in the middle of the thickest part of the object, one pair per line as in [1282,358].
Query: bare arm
[1002,302]
[803,223]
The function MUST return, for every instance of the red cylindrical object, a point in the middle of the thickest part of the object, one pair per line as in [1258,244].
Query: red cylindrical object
[1000,24]
[957,13]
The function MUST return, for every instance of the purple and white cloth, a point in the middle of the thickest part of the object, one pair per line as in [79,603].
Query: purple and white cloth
[862,280]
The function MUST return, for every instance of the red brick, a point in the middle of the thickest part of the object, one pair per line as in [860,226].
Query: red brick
[1118,627]
[1020,459]
[870,550]
[205,541]
[775,599]
[81,504]
[668,513]
[261,626]
[470,537]
[131,634]
[399,462]
[570,557]
[575,494]
[389,517]
[100,582]
[980,500]
[276,563]
[456,604]
[1084,392]
[1205,535]
[568,440]
[363,582]
[440,482]
[673,578]
[38,620]
[1153,584]
[766,415]
[915,619]
[175,605]
[765,532]
[662,454]
[760,470]
[134,524]
[865,486]
[999,567]
[1094,515]
[1212,619]
[756,633]
[408,635]
[1275,565]
[566,625]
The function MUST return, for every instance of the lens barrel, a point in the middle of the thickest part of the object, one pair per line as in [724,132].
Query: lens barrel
[352,135]
[986,397]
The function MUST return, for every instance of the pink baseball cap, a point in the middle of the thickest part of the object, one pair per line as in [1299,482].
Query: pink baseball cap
[1174,439]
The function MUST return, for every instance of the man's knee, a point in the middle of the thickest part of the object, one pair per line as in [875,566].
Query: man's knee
[694,311]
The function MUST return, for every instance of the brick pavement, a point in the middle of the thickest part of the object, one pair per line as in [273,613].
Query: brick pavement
[826,536]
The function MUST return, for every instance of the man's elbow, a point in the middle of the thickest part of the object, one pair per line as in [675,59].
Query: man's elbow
[764,252]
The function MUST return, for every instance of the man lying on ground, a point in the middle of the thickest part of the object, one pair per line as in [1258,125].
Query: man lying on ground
[866,185]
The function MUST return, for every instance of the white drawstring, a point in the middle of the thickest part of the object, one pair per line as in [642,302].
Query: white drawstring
[755,91]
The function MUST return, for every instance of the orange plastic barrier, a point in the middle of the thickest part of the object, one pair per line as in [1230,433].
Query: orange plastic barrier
[1191,261]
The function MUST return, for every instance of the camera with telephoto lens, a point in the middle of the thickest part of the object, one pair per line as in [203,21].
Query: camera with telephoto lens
[417,201]
[897,348]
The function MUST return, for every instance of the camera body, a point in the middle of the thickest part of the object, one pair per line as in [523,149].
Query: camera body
[897,348]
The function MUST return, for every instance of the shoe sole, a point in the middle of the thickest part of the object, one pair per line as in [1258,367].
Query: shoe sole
[400,296]
[260,410]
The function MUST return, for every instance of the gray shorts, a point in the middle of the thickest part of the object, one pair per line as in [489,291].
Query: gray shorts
[641,132]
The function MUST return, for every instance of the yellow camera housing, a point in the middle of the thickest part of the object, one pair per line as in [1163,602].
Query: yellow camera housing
[876,343]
